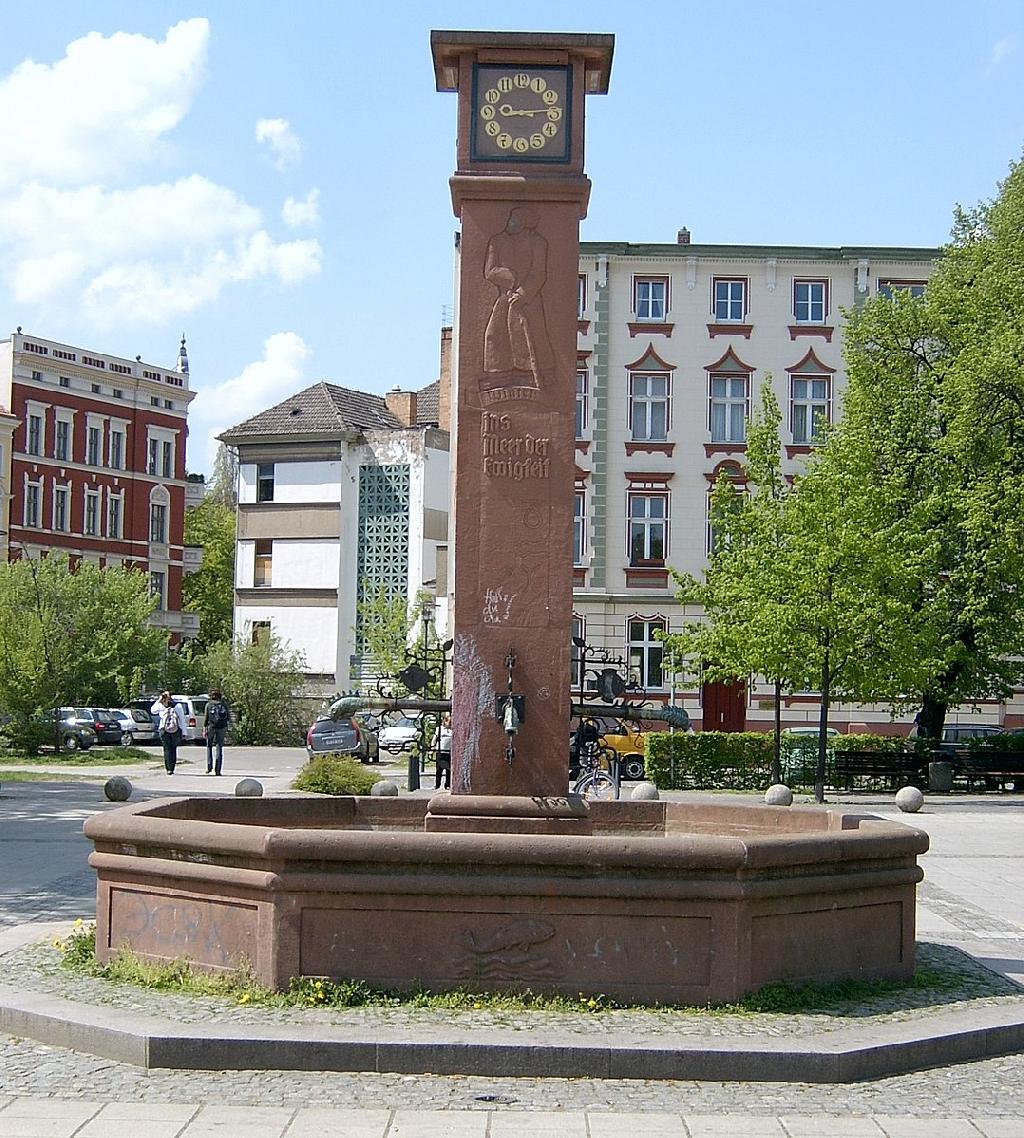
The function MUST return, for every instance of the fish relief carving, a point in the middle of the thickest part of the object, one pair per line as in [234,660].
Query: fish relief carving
[509,952]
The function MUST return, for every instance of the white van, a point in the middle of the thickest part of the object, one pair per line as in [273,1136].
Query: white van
[194,707]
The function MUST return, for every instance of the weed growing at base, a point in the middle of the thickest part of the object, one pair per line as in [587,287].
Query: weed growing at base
[78,951]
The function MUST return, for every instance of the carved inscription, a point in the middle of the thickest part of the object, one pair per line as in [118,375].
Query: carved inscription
[507,454]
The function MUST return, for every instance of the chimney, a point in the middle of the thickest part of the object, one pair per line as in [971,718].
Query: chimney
[444,391]
[402,404]
[683,236]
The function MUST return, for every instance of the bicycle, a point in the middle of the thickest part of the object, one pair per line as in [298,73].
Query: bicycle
[596,767]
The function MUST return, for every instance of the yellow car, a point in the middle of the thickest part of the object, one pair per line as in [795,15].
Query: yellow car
[627,741]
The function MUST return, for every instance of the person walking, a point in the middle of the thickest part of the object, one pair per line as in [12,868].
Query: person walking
[215,725]
[171,725]
[443,765]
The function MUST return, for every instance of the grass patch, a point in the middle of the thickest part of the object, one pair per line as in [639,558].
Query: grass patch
[78,951]
[95,756]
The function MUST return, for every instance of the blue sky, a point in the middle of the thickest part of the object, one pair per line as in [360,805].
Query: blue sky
[272,179]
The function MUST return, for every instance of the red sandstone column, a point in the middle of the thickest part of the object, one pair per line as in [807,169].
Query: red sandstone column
[520,193]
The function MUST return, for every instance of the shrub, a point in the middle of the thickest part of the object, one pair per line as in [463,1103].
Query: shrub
[709,760]
[334,774]
[1001,742]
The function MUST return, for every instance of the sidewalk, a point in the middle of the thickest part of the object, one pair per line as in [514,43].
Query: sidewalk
[971,899]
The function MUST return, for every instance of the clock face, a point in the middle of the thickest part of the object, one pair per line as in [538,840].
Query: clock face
[521,114]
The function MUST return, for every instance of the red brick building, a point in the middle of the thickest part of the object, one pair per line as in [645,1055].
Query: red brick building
[97,462]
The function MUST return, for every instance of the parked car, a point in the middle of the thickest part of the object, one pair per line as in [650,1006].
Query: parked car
[627,741]
[342,737]
[956,737]
[76,733]
[194,707]
[137,726]
[103,722]
[399,735]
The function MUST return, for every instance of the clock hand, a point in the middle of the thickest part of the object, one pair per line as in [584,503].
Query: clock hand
[510,112]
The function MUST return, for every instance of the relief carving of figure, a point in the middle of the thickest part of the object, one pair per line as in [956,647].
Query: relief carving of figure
[517,350]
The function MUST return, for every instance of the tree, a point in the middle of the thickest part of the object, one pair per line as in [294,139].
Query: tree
[936,402]
[211,590]
[73,636]
[261,681]
[223,487]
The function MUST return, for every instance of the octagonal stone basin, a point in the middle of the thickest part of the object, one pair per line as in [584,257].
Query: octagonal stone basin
[659,901]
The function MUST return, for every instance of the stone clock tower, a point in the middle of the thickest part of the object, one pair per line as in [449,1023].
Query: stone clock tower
[520,192]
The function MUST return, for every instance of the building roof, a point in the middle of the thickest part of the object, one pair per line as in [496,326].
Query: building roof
[759,252]
[327,409]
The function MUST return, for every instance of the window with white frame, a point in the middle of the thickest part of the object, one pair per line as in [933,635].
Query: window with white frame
[648,406]
[810,301]
[888,288]
[158,587]
[581,295]
[647,532]
[117,448]
[646,651]
[715,538]
[34,433]
[729,299]
[650,298]
[167,458]
[93,444]
[115,514]
[582,400]
[92,513]
[265,482]
[158,523]
[160,453]
[810,403]
[579,527]
[263,567]
[153,456]
[728,407]
[576,652]
[33,503]
[60,508]
[62,440]
[260,631]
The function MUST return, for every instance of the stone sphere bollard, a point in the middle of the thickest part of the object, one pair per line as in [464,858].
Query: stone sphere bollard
[249,788]
[645,792]
[384,789]
[117,789]
[778,795]
[909,799]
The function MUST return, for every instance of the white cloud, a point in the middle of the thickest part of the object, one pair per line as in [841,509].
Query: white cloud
[280,373]
[1001,51]
[102,109]
[297,213]
[284,143]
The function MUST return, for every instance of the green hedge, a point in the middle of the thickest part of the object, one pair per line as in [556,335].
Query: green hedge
[334,774]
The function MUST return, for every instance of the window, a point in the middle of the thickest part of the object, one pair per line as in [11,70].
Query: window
[60,508]
[912,288]
[33,502]
[260,631]
[582,398]
[810,301]
[581,295]
[94,437]
[117,393]
[809,407]
[576,653]
[62,440]
[265,482]
[728,409]
[157,582]
[154,452]
[154,401]
[95,388]
[34,434]
[92,513]
[648,407]
[715,538]
[167,463]
[729,300]
[158,523]
[116,449]
[168,405]
[115,507]
[579,527]
[646,651]
[648,528]
[64,381]
[650,298]
[37,376]
[263,568]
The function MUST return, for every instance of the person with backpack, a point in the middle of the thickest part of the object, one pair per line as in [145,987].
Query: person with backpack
[171,726]
[215,725]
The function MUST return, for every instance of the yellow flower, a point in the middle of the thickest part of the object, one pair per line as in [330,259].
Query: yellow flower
[244,998]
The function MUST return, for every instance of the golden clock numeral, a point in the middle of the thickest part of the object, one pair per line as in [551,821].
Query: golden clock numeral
[492,129]
[550,97]
[554,114]
[493,95]
[504,84]
[538,83]
[537,141]
[487,112]
[504,141]
[520,145]
[549,129]
[522,79]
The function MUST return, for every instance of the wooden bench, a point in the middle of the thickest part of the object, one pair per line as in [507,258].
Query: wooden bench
[896,768]
[994,768]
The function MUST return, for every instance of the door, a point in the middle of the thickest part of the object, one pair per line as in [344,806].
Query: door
[725,705]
